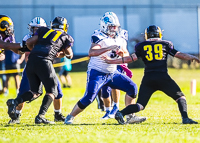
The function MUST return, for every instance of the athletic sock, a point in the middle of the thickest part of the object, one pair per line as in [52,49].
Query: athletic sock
[182,105]
[47,100]
[57,111]
[133,108]
[117,104]
[108,109]
[18,111]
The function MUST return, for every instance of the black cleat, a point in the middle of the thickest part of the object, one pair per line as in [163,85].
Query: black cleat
[58,117]
[12,104]
[119,117]
[188,121]
[16,121]
[40,119]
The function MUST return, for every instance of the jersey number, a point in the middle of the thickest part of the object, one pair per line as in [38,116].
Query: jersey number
[55,37]
[157,50]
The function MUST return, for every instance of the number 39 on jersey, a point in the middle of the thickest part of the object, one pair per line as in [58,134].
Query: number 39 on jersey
[154,52]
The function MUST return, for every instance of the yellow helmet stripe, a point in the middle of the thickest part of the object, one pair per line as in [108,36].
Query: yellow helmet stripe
[5,19]
[160,32]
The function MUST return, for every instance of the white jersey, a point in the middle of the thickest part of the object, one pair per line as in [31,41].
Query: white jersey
[104,41]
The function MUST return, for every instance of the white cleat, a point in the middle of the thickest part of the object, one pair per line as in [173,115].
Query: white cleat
[133,119]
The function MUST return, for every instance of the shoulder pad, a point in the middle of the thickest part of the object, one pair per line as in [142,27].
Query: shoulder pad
[124,34]
[98,36]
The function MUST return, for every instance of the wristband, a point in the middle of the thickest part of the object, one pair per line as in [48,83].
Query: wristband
[68,55]
[122,59]
[21,45]
[131,57]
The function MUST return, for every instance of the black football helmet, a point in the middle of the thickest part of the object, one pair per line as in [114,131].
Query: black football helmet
[153,32]
[6,25]
[59,23]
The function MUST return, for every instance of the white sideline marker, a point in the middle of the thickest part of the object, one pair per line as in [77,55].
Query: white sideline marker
[193,87]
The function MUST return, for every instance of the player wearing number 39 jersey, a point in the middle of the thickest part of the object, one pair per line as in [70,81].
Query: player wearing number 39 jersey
[45,45]
[154,52]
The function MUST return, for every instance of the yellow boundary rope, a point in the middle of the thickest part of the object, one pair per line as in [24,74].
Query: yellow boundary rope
[54,65]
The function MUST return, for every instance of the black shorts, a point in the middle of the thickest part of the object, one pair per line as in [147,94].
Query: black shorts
[154,81]
[41,70]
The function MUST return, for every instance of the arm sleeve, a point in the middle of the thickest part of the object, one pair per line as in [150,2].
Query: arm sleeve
[137,51]
[171,49]
[95,39]
[69,42]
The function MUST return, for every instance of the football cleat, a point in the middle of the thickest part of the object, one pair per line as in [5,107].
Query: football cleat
[40,119]
[12,104]
[106,116]
[113,111]
[69,120]
[16,121]
[188,121]
[119,117]
[58,117]
[133,119]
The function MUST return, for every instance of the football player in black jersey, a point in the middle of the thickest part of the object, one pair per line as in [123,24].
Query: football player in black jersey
[45,45]
[154,52]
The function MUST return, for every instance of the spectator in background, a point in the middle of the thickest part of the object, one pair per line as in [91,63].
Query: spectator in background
[12,61]
[2,76]
[64,73]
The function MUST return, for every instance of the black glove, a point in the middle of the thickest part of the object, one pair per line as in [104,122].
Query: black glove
[24,47]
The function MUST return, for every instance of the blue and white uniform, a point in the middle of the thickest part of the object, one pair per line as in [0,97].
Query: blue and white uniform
[24,85]
[100,73]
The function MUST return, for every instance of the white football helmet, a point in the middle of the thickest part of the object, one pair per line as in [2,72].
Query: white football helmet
[109,19]
[36,22]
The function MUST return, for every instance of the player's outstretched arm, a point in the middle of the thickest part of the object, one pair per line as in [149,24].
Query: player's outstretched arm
[9,46]
[185,56]
[122,60]
[96,50]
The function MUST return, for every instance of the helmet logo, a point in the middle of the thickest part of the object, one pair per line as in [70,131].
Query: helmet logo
[7,19]
[106,20]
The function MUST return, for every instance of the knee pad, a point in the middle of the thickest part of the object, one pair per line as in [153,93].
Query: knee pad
[59,96]
[106,91]
[80,105]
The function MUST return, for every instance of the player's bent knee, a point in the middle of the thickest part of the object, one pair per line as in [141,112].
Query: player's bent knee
[80,105]
[35,96]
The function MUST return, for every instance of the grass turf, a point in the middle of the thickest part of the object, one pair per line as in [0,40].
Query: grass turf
[163,123]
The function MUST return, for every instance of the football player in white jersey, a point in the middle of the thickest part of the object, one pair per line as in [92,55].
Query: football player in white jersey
[105,42]
[106,91]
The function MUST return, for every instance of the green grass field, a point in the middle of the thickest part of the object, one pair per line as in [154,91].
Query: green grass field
[162,126]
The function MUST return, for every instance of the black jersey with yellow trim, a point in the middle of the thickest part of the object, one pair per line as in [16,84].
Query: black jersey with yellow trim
[50,42]
[154,54]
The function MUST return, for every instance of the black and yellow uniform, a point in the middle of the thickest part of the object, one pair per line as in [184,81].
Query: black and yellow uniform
[154,52]
[39,66]
[154,55]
